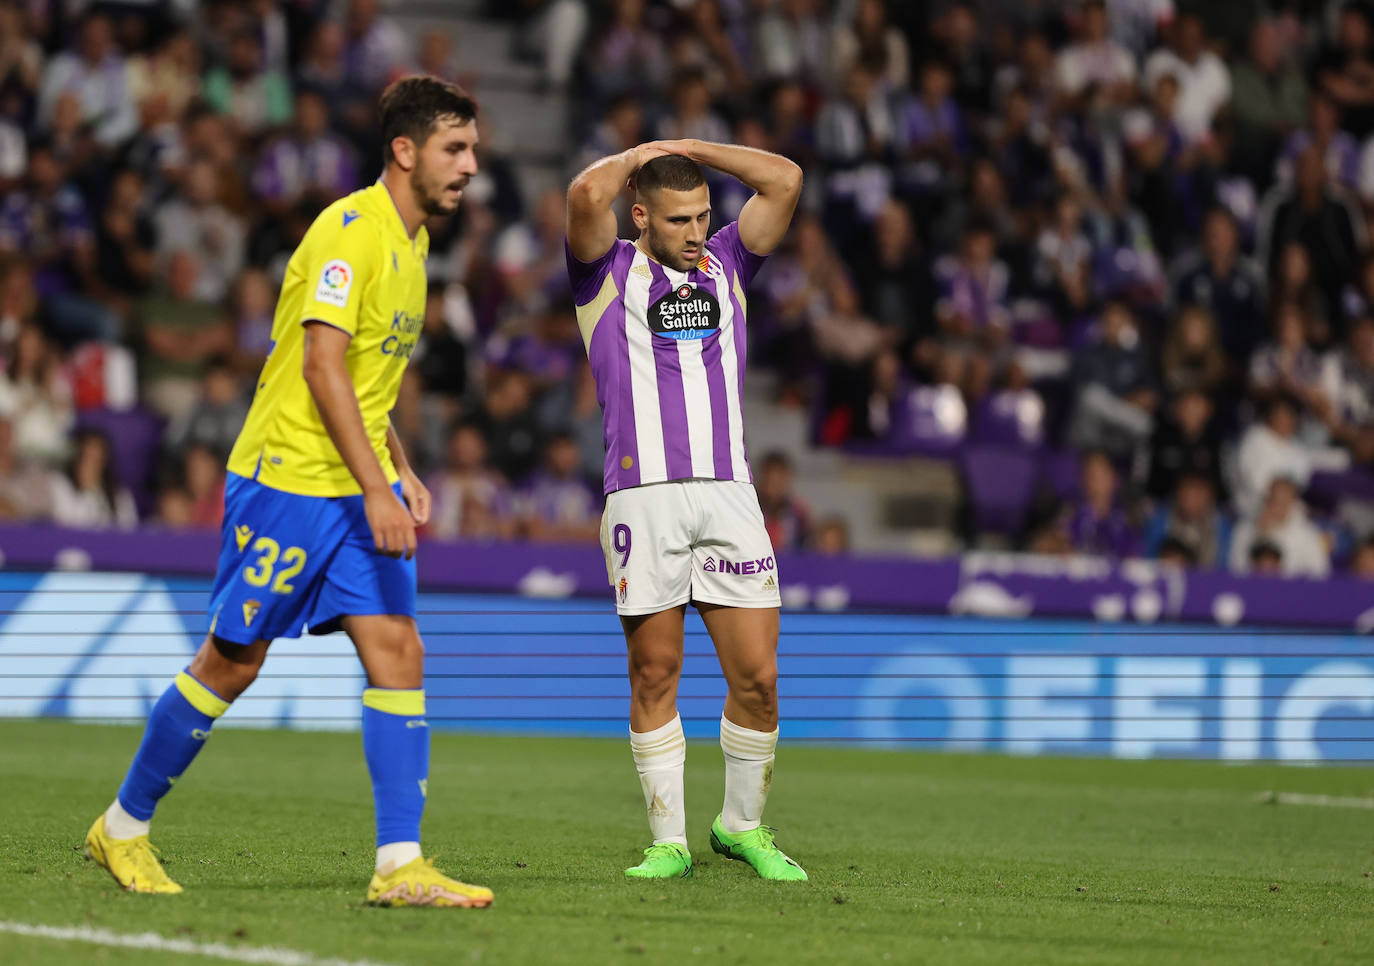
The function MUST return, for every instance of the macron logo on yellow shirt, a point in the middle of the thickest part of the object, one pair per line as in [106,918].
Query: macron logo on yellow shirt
[335,281]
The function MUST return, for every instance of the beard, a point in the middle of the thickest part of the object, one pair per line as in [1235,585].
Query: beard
[672,257]
[429,196]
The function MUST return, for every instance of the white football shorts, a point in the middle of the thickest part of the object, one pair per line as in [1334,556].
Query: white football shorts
[688,540]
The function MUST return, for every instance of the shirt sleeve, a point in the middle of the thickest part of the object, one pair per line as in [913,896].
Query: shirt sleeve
[728,246]
[588,277]
[339,269]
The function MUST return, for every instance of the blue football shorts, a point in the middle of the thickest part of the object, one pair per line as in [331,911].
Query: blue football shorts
[288,563]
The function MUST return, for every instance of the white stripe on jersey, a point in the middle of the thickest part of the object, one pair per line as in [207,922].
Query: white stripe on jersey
[653,462]
[729,361]
[698,396]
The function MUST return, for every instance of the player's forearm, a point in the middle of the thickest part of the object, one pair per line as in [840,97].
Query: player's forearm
[337,402]
[396,448]
[601,182]
[767,173]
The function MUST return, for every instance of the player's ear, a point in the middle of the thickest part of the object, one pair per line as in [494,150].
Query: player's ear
[403,150]
[640,214]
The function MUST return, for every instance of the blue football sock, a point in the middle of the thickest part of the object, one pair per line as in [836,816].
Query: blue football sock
[396,745]
[177,729]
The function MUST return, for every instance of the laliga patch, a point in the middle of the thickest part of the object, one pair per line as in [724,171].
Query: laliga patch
[687,312]
[335,281]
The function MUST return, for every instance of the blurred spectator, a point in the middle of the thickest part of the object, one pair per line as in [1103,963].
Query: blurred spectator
[507,422]
[88,496]
[254,97]
[1345,69]
[96,72]
[376,47]
[1266,559]
[870,39]
[1229,285]
[856,127]
[308,161]
[251,307]
[555,31]
[1355,367]
[692,116]
[529,257]
[571,408]
[931,129]
[1203,78]
[1269,450]
[173,507]
[892,281]
[785,515]
[1116,397]
[1095,60]
[441,356]
[1339,151]
[1192,521]
[628,58]
[1290,366]
[1095,524]
[25,487]
[1362,565]
[557,504]
[196,222]
[831,537]
[470,498]
[213,423]
[1187,443]
[1063,259]
[180,334]
[125,243]
[37,398]
[50,223]
[171,71]
[202,469]
[1192,356]
[1281,522]
[706,45]
[620,128]
[1269,97]
[972,290]
[322,66]
[1318,216]
[789,41]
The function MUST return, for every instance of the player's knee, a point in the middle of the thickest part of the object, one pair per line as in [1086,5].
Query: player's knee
[651,681]
[226,668]
[758,688]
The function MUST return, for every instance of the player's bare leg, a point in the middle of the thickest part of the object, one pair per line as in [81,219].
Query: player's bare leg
[746,640]
[396,745]
[654,642]
[177,729]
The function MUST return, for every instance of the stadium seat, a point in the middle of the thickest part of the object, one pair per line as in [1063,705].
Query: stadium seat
[1000,483]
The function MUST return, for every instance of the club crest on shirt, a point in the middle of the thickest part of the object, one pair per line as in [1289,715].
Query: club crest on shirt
[687,312]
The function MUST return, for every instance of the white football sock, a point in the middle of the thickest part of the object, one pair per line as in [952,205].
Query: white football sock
[659,758]
[748,774]
[393,855]
[119,824]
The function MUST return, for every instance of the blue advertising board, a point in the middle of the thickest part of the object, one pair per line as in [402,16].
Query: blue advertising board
[102,646]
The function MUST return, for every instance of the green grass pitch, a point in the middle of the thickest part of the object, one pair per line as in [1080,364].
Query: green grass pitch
[914,858]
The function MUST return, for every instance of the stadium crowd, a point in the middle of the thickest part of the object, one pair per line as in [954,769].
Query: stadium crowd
[1122,245]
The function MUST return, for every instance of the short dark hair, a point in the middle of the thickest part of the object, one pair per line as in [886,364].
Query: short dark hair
[411,106]
[672,171]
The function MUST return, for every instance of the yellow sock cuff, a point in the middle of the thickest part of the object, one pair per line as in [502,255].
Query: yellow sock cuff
[410,704]
[200,697]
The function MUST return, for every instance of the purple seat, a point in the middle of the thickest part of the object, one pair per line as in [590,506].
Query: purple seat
[1059,473]
[1010,418]
[1000,483]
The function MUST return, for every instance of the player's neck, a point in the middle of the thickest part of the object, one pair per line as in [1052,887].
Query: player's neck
[412,216]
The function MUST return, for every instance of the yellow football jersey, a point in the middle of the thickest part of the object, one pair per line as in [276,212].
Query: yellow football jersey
[359,271]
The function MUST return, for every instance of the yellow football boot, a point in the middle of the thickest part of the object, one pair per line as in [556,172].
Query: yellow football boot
[419,883]
[132,862]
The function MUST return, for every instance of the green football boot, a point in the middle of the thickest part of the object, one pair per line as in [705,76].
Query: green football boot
[756,847]
[666,860]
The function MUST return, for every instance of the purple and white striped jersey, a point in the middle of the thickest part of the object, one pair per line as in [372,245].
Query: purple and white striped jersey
[668,350]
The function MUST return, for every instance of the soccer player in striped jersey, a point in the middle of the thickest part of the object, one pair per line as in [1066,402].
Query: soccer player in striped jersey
[321,505]
[663,322]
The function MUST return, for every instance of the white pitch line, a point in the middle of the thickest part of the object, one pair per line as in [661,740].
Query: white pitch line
[1325,801]
[270,955]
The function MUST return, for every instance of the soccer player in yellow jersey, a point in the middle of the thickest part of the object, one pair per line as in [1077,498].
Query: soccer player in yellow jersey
[321,505]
